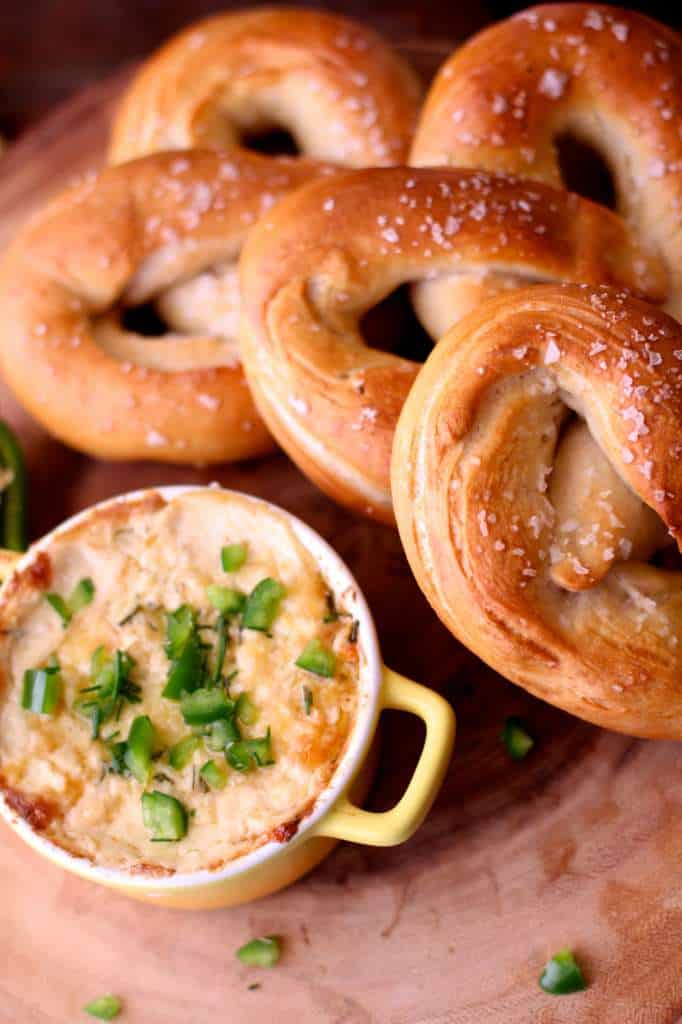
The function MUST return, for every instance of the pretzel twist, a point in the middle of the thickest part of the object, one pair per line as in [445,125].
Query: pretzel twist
[326,254]
[603,75]
[143,231]
[343,94]
[546,583]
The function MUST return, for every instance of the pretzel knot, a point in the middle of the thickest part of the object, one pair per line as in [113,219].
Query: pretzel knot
[341,92]
[165,230]
[537,561]
[325,255]
[597,74]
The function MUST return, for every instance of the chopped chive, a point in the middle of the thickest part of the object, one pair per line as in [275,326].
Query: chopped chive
[139,748]
[307,699]
[318,659]
[81,595]
[221,733]
[214,775]
[13,528]
[60,606]
[221,648]
[164,816]
[104,1008]
[182,752]
[516,738]
[562,975]
[180,625]
[262,605]
[263,952]
[245,755]
[233,556]
[226,600]
[205,706]
[41,690]
[111,686]
[246,710]
[185,651]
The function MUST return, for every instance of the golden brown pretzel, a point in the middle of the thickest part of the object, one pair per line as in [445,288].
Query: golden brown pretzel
[120,239]
[326,254]
[600,74]
[344,95]
[484,476]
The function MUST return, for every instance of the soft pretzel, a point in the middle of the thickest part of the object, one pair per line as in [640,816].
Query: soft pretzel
[547,583]
[600,74]
[326,254]
[149,228]
[343,94]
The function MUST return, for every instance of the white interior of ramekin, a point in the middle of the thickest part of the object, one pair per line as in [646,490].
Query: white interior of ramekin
[344,587]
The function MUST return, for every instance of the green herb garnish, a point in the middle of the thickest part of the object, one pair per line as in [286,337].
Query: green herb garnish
[246,710]
[318,659]
[261,952]
[139,749]
[221,648]
[221,734]
[41,690]
[81,595]
[104,1008]
[110,688]
[233,556]
[205,706]
[214,775]
[307,699]
[164,816]
[13,526]
[182,752]
[516,738]
[562,975]
[246,755]
[117,749]
[185,651]
[226,600]
[262,605]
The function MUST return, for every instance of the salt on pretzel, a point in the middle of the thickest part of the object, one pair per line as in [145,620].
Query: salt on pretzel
[551,586]
[605,76]
[335,85]
[143,231]
[325,255]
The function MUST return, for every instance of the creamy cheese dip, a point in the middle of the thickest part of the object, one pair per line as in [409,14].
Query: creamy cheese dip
[146,558]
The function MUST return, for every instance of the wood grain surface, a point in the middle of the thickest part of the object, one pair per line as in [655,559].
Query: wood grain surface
[580,845]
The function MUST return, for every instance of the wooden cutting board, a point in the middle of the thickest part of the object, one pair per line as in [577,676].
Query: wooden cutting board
[580,845]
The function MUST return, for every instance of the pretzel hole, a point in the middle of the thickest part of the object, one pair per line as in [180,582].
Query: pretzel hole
[584,170]
[271,141]
[144,320]
[391,326]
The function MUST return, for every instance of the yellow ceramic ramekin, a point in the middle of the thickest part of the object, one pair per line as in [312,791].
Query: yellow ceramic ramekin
[336,814]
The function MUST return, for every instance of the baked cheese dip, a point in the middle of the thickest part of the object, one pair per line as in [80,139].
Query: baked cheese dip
[177,683]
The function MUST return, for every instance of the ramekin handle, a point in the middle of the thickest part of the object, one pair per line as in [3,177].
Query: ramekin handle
[388,828]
